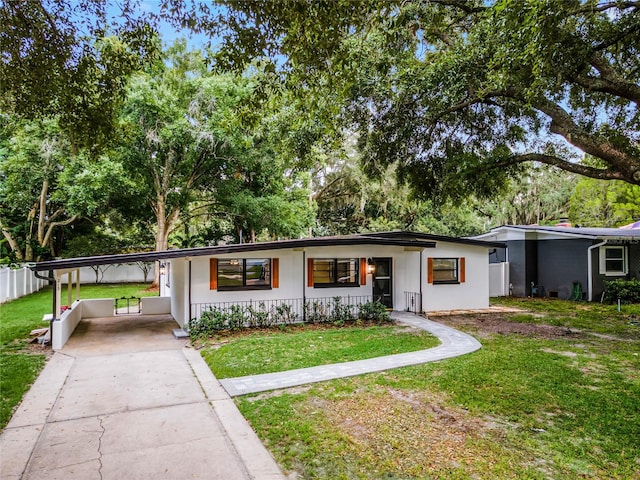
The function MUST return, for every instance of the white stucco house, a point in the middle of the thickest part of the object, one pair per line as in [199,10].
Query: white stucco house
[403,270]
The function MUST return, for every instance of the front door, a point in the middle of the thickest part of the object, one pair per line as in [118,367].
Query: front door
[382,284]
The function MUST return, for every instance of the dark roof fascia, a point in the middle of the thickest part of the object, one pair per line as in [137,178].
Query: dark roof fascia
[584,232]
[79,262]
[440,238]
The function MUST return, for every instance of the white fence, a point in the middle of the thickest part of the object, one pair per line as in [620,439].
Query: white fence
[18,282]
[125,273]
[499,279]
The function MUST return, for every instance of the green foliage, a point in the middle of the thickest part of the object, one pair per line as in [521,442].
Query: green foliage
[627,291]
[459,94]
[19,371]
[373,312]
[318,311]
[71,59]
[600,203]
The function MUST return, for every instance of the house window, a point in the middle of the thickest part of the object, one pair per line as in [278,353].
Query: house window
[336,272]
[244,274]
[446,270]
[613,260]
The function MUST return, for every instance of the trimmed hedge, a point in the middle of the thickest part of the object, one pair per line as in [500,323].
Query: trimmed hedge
[628,291]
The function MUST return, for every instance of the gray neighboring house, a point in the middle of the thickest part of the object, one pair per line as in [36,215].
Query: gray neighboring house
[555,261]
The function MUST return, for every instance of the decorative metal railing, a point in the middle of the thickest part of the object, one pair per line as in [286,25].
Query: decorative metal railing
[283,311]
[413,302]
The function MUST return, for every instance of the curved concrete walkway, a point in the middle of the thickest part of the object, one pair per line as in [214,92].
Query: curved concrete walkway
[453,343]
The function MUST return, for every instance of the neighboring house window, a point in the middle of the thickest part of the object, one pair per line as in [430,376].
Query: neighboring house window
[335,272]
[445,270]
[613,260]
[242,273]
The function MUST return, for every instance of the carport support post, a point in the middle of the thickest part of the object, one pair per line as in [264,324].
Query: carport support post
[69,289]
[56,296]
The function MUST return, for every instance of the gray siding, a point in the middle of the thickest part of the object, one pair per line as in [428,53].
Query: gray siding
[561,263]
[599,280]
[517,267]
[634,261]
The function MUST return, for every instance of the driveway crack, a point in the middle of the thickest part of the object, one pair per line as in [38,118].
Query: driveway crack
[100,447]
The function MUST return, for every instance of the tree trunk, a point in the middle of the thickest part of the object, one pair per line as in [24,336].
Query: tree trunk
[165,222]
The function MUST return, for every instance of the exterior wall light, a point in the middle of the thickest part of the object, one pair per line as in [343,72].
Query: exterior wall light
[163,269]
[371,267]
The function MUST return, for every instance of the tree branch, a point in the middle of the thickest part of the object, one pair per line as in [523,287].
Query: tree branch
[580,169]
[53,225]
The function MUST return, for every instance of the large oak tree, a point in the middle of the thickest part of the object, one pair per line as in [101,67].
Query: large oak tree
[460,93]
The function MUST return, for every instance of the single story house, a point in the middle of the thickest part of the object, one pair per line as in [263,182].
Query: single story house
[403,270]
[563,261]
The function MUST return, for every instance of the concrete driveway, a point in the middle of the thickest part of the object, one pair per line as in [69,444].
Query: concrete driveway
[125,399]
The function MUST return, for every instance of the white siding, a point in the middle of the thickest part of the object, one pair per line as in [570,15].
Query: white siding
[473,293]
[408,268]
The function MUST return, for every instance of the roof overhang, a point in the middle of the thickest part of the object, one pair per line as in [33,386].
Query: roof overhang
[408,240]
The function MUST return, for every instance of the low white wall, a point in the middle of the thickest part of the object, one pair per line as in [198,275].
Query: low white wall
[156,305]
[66,324]
[100,307]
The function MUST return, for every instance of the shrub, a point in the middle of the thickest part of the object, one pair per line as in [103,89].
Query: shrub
[374,312]
[285,314]
[316,312]
[341,312]
[210,321]
[628,291]
[259,317]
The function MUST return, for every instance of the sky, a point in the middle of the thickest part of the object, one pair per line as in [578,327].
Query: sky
[169,33]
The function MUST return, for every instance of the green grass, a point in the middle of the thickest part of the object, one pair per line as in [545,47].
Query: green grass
[520,407]
[20,364]
[280,351]
[593,317]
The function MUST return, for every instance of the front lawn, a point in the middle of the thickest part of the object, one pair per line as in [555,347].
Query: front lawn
[539,400]
[280,350]
[20,361]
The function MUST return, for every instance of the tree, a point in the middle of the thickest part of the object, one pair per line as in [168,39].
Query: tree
[45,187]
[176,142]
[539,196]
[461,93]
[71,59]
[597,203]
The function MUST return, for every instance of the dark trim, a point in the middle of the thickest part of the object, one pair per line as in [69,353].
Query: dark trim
[399,239]
[244,288]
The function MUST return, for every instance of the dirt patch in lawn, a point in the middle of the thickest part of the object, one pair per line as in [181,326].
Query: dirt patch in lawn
[414,433]
[486,325]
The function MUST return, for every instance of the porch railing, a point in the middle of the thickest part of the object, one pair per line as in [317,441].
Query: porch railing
[291,310]
[413,302]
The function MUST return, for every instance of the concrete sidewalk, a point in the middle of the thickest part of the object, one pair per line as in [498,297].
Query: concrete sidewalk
[147,407]
[453,343]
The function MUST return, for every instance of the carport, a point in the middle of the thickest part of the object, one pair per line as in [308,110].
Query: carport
[95,315]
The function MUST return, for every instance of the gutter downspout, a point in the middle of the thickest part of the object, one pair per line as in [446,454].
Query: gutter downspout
[590,268]
[304,286]
[420,283]
[189,295]
[52,280]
